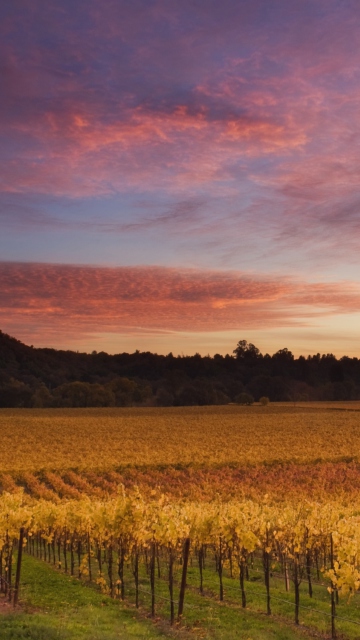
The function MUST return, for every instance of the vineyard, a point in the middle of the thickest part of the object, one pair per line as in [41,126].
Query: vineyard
[107,438]
[279,537]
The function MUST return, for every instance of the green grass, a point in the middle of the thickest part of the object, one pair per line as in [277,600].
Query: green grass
[314,612]
[227,620]
[58,607]
[55,606]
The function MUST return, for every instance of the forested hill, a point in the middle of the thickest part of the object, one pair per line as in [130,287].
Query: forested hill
[31,377]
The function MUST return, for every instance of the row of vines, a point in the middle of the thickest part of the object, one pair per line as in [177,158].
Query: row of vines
[97,539]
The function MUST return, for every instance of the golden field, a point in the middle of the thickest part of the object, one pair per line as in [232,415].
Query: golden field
[106,438]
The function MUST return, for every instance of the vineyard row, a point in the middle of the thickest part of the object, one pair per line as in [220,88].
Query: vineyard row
[300,539]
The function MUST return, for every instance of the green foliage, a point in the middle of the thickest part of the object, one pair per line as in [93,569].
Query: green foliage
[83,394]
[15,393]
[128,393]
[42,378]
[42,398]
[264,400]
[244,398]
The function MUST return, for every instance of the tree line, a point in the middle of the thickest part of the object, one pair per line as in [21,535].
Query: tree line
[31,377]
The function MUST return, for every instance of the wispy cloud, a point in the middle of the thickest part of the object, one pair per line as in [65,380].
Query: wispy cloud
[80,300]
[78,154]
[228,133]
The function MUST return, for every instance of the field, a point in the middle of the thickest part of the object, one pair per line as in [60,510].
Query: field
[210,522]
[108,438]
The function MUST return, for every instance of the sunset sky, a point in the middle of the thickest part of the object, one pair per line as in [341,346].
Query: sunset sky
[177,175]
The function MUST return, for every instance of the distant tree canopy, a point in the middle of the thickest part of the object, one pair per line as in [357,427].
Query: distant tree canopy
[246,351]
[32,377]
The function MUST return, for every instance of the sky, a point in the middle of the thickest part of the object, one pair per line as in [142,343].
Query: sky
[179,176]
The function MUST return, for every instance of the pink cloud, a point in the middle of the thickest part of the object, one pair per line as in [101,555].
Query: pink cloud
[76,301]
[76,152]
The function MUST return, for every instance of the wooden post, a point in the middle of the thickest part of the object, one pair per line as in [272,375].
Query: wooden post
[79,557]
[72,559]
[152,578]
[10,572]
[220,570]
[200,557]
[333,587]
[136,577]
[296,584]
[121,559]
[183,577]
[89,556]
[286,575]
[171,585]
[308,572]
[1,573]
[18,567]
[110,570]
[242,564]
[65,548]
[6,572]
[266,562]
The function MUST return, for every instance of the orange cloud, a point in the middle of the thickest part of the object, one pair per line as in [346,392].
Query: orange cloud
[76,301]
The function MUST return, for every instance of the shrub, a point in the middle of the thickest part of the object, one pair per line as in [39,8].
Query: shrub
[244,398]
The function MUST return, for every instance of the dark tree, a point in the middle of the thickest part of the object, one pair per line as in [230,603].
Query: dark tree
[246,351]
